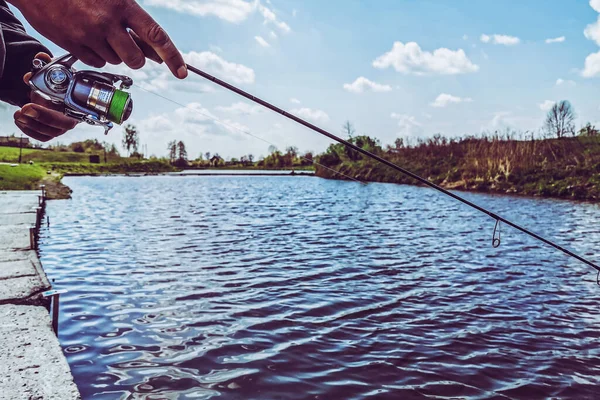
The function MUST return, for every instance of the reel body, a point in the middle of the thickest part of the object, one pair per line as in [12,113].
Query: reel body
[87,96]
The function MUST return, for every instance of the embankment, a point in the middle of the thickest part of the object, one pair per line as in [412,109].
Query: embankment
[563,168]
[32,364]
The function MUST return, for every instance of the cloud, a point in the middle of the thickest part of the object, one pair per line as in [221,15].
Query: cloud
[561,82]
[241,108]
[271,18]
[295,100]
[273,35]
[595,4]
[505,40]
[262,41]
[213,63]
[547,105]
[408,124]
[592,31]
[234,11]
[362,84]
[310,114]
[410,59]
[444,99]
[556,40]
[592,66]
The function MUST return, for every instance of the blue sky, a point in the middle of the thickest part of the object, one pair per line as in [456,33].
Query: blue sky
[410,68]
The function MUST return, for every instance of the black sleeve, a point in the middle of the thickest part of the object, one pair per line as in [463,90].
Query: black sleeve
[17,51]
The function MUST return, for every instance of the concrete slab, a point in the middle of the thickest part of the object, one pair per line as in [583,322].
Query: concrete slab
[32,365]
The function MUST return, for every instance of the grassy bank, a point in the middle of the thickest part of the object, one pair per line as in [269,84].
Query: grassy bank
[563,168]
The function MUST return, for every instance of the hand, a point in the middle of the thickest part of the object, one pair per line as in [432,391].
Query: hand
[41,119]
[96,31]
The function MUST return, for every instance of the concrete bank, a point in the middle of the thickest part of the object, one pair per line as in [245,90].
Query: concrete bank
[32,364]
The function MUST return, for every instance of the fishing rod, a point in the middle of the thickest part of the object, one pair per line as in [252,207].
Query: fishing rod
[498,218]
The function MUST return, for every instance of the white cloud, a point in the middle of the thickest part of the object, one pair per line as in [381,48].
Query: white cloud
[505,40]
[556,40]
[547,105]
[262,41]
[295,100]
[561,82]
[271,18]
[273,35]
[241,108]
[592,31]
[408,124]
[409,58]
[595,4]
[234,11]
[444,99]
[213,63]
[362,84]
[313,115]
[592,65]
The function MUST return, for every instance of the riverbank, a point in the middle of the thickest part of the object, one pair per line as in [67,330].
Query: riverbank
[32,364]
[566,168]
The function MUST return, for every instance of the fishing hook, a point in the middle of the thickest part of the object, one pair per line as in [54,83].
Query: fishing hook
[496,239]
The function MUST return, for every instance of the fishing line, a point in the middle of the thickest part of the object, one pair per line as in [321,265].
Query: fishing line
[404,171]
[217,120]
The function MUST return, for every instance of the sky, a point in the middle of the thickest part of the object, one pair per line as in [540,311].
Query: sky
[394,68]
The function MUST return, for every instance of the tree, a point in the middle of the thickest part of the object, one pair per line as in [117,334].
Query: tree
[172,148]
[207,155]
[131,138]
[181,151]
[589,130]
[250,158]
[272,149]
[560,119]
[348,129]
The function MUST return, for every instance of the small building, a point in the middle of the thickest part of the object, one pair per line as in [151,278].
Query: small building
[14,141]
[215,161]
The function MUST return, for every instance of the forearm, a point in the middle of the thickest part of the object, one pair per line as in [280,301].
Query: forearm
[19,51]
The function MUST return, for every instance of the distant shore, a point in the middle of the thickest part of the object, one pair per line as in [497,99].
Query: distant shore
[567,168]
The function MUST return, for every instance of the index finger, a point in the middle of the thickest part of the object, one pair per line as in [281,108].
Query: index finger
[152,33]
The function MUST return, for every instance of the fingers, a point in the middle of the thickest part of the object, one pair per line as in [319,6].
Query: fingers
[146,48]
[88,56]
[31,133]
[105,51]
[40,56]
[153,34]
[42,124]
[126,48]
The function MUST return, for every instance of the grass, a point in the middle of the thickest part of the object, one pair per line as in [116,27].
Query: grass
[11,155]
[21,177]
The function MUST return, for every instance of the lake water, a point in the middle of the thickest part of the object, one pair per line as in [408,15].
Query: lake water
[304,288]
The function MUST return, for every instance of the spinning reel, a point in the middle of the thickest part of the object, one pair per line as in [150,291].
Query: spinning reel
[87,96]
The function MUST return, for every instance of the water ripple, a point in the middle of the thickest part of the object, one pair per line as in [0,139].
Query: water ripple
[294,288]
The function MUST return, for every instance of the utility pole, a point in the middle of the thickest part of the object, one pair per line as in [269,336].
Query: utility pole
[20,148]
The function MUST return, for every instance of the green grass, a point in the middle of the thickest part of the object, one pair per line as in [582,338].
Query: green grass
[11,154]
[21,177]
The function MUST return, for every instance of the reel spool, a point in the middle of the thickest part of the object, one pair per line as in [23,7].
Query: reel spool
[87,96]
